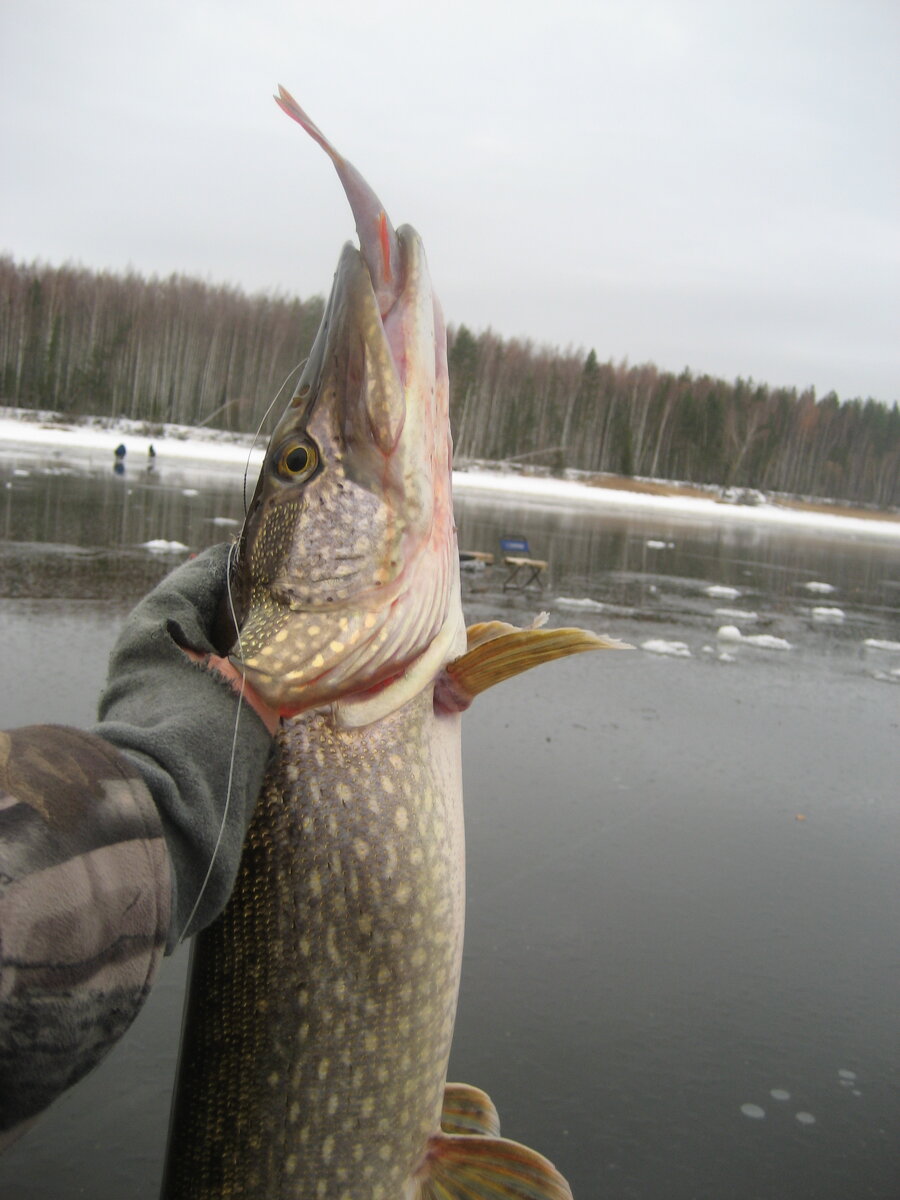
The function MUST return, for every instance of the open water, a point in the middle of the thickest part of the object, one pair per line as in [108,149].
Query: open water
[683,946]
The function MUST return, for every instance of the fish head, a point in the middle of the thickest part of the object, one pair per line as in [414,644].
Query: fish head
[347,571]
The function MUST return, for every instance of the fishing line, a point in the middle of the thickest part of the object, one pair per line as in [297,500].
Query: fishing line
[232,555]
[299,367]
[232,550]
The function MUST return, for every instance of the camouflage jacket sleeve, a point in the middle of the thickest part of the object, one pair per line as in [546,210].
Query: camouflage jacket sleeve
[115,844]
[85,902]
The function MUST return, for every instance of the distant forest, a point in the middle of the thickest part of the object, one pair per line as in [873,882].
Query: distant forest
[184,351]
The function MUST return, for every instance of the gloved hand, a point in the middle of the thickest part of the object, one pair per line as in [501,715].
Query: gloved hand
[200,751]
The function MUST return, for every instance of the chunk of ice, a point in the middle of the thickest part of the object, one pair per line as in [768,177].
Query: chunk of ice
[828,614]
[660,646]
[753,1111]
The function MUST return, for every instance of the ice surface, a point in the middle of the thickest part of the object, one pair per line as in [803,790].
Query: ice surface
[201,450]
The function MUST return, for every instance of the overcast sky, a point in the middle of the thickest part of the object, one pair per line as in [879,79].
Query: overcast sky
[693,183]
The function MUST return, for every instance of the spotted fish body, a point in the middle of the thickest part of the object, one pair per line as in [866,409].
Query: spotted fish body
[322,1002]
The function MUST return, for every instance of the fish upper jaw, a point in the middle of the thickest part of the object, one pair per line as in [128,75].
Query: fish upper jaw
[348,576]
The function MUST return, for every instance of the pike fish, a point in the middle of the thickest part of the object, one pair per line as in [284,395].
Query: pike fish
[322,1001]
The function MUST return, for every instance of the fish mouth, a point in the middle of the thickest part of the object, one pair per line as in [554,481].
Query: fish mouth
[345,579]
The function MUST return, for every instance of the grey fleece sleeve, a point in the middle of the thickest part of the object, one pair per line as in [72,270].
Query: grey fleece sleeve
[178,723]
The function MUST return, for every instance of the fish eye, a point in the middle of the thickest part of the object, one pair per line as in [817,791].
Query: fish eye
[297,460]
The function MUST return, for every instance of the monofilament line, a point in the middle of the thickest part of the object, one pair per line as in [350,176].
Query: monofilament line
[237,720]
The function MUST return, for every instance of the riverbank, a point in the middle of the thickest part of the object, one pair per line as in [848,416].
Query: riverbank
[46,437]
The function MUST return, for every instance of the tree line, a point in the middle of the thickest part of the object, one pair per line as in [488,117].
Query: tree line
[188,352]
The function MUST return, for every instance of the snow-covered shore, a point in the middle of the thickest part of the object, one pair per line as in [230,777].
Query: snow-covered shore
[50,440]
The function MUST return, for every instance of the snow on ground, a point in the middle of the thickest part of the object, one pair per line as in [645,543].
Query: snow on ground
[52,442]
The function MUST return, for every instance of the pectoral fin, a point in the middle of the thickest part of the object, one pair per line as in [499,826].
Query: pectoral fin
[486,1168]
[498,651]
[468,1110]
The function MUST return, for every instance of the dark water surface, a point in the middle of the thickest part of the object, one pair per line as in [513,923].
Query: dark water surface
[658,951]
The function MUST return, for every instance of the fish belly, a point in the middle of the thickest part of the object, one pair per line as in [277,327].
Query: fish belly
[323,1000]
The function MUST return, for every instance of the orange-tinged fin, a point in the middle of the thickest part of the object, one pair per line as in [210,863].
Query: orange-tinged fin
[486,1168]
[499,651]
[468,1110]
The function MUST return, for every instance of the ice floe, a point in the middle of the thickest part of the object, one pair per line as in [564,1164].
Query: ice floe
[763,641]
[578,602]
[720,592]
[880,644]
[753,1111]
[661,646]
[823,589]
[161,546]
[829,615]
[735,614]
[655,544]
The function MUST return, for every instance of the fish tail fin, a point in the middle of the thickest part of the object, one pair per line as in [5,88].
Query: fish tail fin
[469,1110]
[498,651]
[486,1168]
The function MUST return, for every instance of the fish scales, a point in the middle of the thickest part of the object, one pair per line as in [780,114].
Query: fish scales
[352,867]
[321,1003]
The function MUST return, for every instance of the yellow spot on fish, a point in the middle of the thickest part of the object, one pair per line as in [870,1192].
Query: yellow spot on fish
[370,620]
[294,1113]
[401,817]
[313,630]
[358,1152]
[396,761]
[343,793]
[274,1079]
[332,1105]
[387,785]
[368,1106]
[290,1164]
[336,646]
[281,635]
[365,924]
[402,893]
[315,884]
[384,1153]
[370,1041]
[361,848]
[384,974]
[324,1066]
